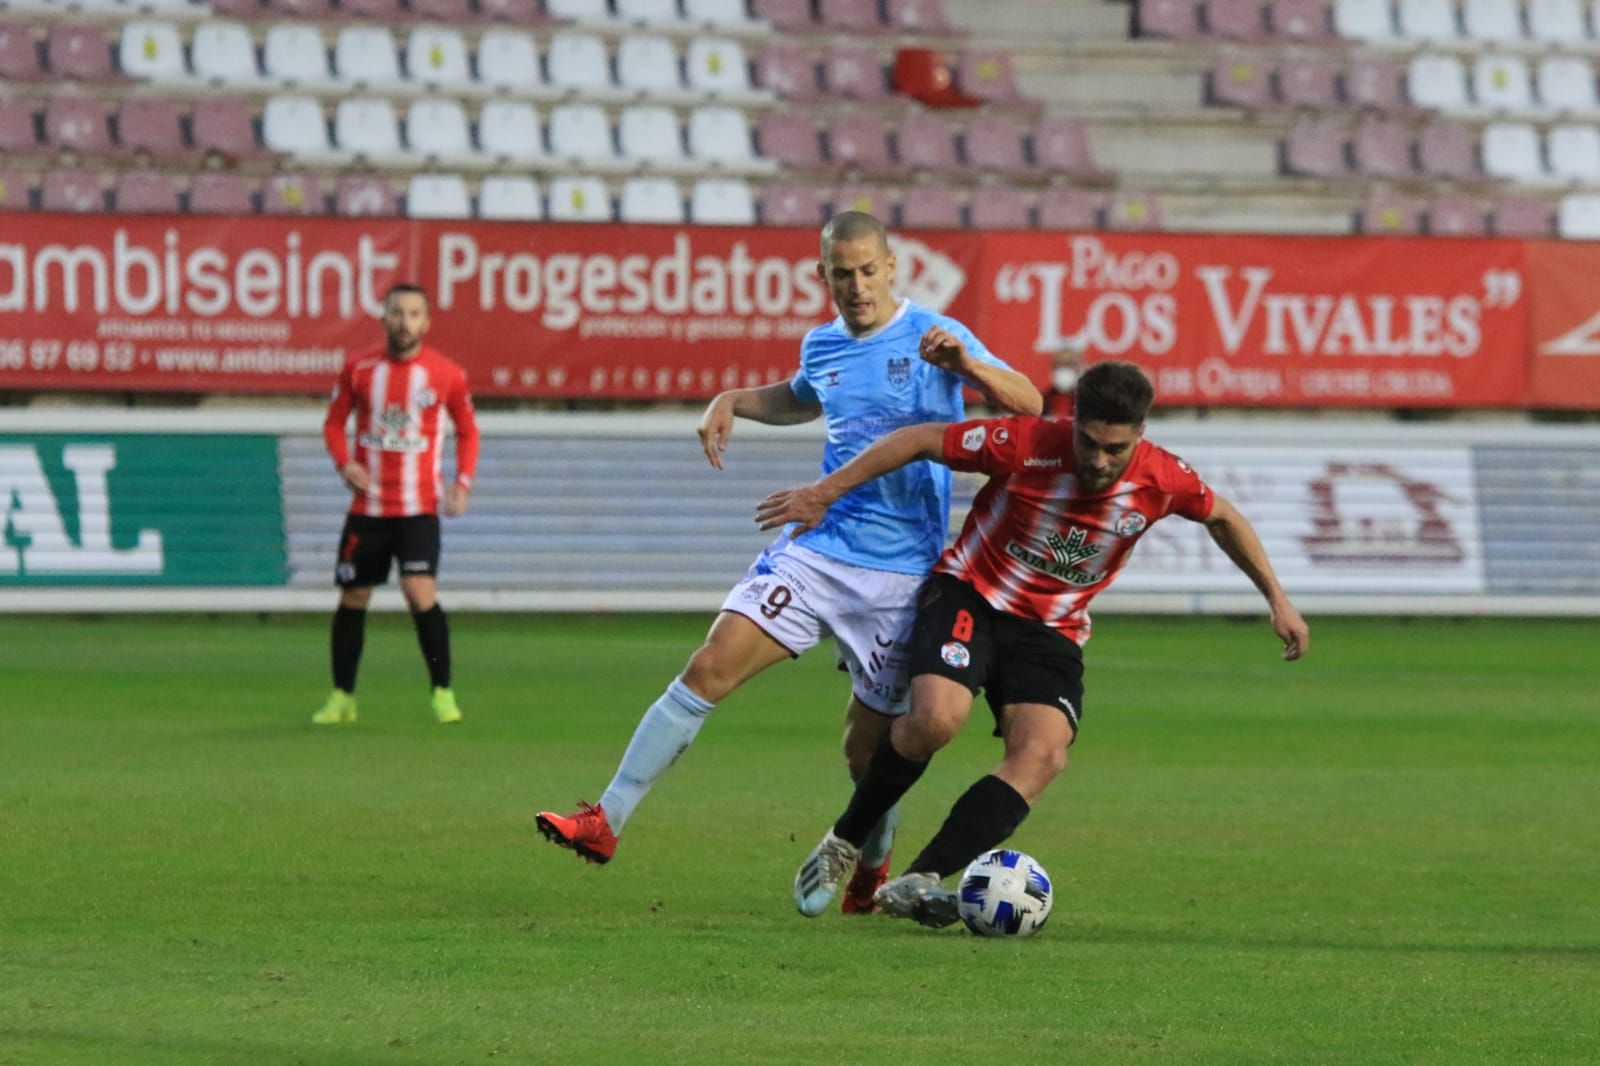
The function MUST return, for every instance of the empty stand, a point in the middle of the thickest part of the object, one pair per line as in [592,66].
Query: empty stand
[1065,208]
[437,129]
[786,204]
[577,62]
[152,51]
[1502,83]
[788,70]
[717,65]
[1498,21]
[1389,215]
[650,133]
[650,200]
[438,196]
[1364,20]
[508,130]
[1133,211]
[1438,80]
[989,76]
[1448,149]
[648,66]
[931,207]
[1307,21]
[508,59]
[1578,217]
[20,60]
[151,126]
[71,190]
[1309,81]
[295,55]
[998,207]
[508,196]
[77,124]
[359,196]
[1512,150]
[924,18]
[1316,147]
[1522,216]
[222,53]
[368,128]
[721,135]
[1061,146]
[144,192]
[1381,148]
[1242,79]
[1457,216]
[222,194]
[1427,20]
[1235,20]
[854,71]
[1175,20]
[16,193]
[1566,83]
[19,128]
[79,52]
[579,199]
[994,143]
[293,194]
[722,202]
[581,134]
[871,199]
[366,57]
[925,142]
[1573,152]
[860,142]
[437,56]
[849,16]
[717,13]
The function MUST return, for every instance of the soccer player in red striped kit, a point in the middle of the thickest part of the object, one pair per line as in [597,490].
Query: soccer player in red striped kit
[400,394]
[1006,610]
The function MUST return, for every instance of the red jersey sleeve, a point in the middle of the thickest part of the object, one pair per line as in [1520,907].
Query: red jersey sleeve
[1191,497]
[985,445]
[459,404]
[339,407]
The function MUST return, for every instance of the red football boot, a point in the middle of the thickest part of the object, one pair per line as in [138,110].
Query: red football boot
[858,894]
[586,832]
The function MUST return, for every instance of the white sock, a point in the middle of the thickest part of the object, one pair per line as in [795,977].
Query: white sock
[665,731]
[876,849]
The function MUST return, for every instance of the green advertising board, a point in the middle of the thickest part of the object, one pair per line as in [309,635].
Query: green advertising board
[140,509]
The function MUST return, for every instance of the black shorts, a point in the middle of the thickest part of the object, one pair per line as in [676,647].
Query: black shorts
[367,545]
[1013,660]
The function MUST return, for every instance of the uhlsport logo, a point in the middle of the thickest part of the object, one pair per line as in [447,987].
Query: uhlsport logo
[36,541]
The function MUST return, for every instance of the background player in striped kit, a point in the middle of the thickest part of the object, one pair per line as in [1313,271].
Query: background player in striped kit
[1006,610]
[882,364]
[399,394]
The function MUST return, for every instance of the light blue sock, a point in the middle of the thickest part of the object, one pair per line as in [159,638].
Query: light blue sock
[876,849]
[665,731]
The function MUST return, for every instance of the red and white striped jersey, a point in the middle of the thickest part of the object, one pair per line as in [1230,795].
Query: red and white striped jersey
[399,407]
[1035,547]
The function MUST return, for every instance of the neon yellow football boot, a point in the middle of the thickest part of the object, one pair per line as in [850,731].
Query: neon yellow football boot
[444,706]
[339,710]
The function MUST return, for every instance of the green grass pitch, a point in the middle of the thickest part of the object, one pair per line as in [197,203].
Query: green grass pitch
[1389,852]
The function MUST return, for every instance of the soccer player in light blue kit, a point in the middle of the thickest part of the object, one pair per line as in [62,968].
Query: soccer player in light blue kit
[882,364]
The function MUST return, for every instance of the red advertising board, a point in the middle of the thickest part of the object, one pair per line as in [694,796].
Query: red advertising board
[661,312]
[1564,346]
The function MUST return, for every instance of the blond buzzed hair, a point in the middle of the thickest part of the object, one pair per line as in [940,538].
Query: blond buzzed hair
[851,226]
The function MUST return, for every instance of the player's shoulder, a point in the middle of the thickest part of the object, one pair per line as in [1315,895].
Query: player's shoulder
[363,360]
[1162,467]
[923,318]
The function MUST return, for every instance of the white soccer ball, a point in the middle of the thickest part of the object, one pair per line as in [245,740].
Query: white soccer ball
[1004,893]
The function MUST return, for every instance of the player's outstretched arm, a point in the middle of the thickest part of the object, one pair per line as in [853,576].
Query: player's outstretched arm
[1003,388]
[806,504]
[775,405]
[1237,538]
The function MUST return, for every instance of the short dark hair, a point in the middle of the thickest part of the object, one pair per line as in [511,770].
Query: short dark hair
[853,225]
[1115,393]
[405,287]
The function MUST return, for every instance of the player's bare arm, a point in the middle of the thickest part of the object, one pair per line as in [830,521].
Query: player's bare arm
[1237,538]
[774,405]
[1003,388]
[806,504]
[357,477]
[455,503]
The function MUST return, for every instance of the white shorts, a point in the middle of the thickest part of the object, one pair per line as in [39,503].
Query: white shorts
[798,596]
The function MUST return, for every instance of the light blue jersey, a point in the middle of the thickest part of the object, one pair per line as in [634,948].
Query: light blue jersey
[867,387]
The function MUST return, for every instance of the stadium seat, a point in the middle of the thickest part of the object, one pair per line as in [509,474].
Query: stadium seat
[717,65]
[994,143]
[855,72]
[16,193]
[1427,20]
[998,207]
[79,52]
[222,53]
[579,199]
[650,200]
[365,56]
[1511,151]
[298,9]
[1309,81]
[716,13]
[1132,211]
[789,140]
[720,135]
[650,133]
[77,124]
[1566,83]
[1377,83]
[1381,148]
[648,66]
[931,207]
[1364,20]
[1556,21]
[577,62]
[1061,146]
[152,51]
[648,12]
[1065,208]
[437,196]
[1305,21]
[150,125]
[1316,147]
[580,133]
[926,143]
[849,16]
[19,130]
[295,56]
[1385,214]
[222,194]
[785,204]
[1578,217]
[238,9]
[860,142]
[1501,83]
[788,70]
[920,18]
[1521,216]
[871,199]
[436,129]
[1234,20]
[577,10]
[988,76]
[721,202]
[76,191]
[148,192]
[449,12]
[368,128]
[509,130]
[19,54]
[1173,20]
[1495,21]
[293,194]
[1438,81]
[514,12]
[1241,79]
[1574,152]
[437,56]
[1457,216]
[507,59]
[786,16]
[384,11]
[1448,149]
[508,196]
[358,196]
[224,126]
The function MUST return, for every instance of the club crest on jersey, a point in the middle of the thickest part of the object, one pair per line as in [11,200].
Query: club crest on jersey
[956,655]
[426,397]
[900,370]
[973,438]
[1065,555]
[394,432]
[1001,434]
[1131,524]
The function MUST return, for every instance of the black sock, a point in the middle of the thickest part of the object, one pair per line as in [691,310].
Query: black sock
[986,814]
[889,776]
[433,634]
[349,630]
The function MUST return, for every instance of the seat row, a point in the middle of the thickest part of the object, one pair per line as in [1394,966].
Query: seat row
[1576,216]
[1443,150]
[1560,23]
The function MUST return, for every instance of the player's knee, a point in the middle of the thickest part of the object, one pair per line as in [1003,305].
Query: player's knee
[709,675]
